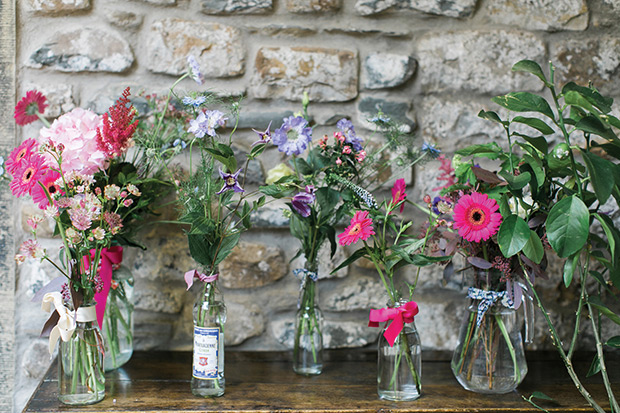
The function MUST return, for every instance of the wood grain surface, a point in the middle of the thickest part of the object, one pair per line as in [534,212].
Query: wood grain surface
[265,382]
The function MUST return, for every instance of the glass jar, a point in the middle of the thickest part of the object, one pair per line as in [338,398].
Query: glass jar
[399,367]
[117,327]
[208,356]
[308,345]
[489,358]
[81,377]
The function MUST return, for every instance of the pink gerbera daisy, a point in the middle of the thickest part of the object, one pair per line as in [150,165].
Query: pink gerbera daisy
[27,109]
[27,176]
[476,217]
[360,228]
[398,193]
[21,153]
[48,181]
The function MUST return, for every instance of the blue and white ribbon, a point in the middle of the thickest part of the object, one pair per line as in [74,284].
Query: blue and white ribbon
[304,275]
[487,300]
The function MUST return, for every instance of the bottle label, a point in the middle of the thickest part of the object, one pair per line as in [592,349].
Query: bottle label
[206,349]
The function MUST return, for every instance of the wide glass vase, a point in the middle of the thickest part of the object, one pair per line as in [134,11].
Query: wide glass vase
[208,355]
[80,361]
[117,328]
[308,345]
[489,357]
[399,367]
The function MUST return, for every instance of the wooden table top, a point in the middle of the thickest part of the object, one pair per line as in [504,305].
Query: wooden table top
[265,381]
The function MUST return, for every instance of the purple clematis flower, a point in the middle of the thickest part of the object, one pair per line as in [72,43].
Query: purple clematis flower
[294,135]
[206,123]
[346,126]
[230,182]
[302,201]
[265,137]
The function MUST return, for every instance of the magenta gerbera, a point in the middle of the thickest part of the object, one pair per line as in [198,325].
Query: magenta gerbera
[476,217]
[48,181]
[398,193]
[27,176]
[360,228]
[27,109]
[22,153]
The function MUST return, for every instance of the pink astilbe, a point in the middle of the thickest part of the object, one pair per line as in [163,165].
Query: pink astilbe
[360,228]
[119,125]
[447,173]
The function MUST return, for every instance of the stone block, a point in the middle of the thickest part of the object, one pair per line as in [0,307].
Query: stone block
[161,2]
[236,6]
[438,322]
[385,70]
[336,334]
[166,258]
[540,15]
[252,265]
[124,19]
[328,75]
[84,50]
[326,263]
[313,6]
[260,120]
[170,41]
[477,61]
[59,6]
[270,216]
[360,293]
[158,298]
[583,61]
[457,8]
[59,96]
[368,107]
[247,320]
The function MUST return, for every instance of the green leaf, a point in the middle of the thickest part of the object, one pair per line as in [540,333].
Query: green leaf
[303,167]
[532,67]
[228,161]
[595,367]
[568,226]
[537,167]
[351,259]
[542,396]
[610,232]
[421,260]
[489,149]
[575,98]
[537,142]
[595,301]
[535,123]
[492,116]
[327,198]
[591,124]
[601,102]
[569,268]
[512,236]
[613,342]
[504,206]
[516,182]
[228,243]
[599,169]
[534,249]
[524,102]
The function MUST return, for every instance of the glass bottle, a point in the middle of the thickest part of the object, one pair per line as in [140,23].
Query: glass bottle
[399,367]
[308,346]
[489,358]
[81,377]
[208,358]
[117,326]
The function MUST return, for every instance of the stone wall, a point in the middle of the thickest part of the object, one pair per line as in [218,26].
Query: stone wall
[432,64]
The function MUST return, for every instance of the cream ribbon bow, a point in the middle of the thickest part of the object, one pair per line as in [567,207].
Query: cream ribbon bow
[68,319]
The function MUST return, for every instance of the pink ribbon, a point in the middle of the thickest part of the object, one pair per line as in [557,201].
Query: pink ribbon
[190,275]
[109,256]
[399,316]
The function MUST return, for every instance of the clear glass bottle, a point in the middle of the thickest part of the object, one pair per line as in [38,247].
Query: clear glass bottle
[308,345]
[117,326]
[208,358]
[399,367]
[81,377]
[490,358]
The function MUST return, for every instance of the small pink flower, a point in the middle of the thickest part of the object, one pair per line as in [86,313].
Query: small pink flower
[112,192]
[20,258]
[476,217]
[398,193]
[98,191]
[133,190]
[114,221]
[34,221]
[346,150]
[338,162]
[124,194]
[128,202]
[360,228]
[51,211]
[339,137]
[80,218]
[98,233]
[32,249]
[323,142]
[361,155]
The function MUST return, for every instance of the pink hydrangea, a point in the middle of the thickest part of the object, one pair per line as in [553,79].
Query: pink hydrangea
[76,131]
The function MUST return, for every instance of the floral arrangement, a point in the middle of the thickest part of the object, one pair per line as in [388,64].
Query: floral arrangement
[554,203]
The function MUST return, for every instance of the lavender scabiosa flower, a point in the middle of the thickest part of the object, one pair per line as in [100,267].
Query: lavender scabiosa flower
[230,182]
[194,70]
[294,135]
[189,101]
[301,202]
[206,123]
[346,126]
[264,137]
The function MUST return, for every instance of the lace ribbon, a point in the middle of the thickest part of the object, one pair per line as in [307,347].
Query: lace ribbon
[68,319]
[487,300]
[304,274]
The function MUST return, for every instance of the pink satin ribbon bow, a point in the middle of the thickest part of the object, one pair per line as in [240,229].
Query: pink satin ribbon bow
[399,316]
[109,256]
[190,275]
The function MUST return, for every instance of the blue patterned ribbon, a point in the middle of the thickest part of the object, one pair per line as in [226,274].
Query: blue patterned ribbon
[304,275]
[487,299]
